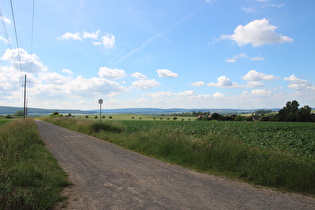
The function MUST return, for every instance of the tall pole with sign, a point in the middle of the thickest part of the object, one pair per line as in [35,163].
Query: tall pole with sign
[100,101]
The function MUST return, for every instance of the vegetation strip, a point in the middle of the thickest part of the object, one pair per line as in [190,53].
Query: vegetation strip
[30,178]
[258,152]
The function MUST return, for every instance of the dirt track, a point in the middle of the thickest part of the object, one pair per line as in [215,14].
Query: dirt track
[108,177]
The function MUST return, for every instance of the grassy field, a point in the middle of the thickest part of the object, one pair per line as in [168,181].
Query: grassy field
[30,178]
[134,117]
[4,121]
[274,154]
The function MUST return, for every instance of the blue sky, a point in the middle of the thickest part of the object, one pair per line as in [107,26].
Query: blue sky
[158,54]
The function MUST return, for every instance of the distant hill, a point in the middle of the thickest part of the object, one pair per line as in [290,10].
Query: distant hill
[5,110]
[167,111]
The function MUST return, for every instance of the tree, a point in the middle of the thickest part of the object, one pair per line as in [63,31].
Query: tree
[55,113]
[19,113]
[8,116]
[304,114]
[293,106]
[292,113]
[215,116]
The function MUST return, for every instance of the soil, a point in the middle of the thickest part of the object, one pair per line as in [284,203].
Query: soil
[105,176]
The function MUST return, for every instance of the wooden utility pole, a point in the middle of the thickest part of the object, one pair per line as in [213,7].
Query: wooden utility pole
[24,114]
[100,101]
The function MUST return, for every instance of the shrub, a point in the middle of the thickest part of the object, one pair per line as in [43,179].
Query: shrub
[110,127]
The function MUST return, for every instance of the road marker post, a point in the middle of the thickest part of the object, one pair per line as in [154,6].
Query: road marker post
[100,101]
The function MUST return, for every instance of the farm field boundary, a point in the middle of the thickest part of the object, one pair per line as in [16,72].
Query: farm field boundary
[277,155]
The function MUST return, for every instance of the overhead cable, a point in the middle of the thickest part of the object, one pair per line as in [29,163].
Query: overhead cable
[5,29]
[16,36]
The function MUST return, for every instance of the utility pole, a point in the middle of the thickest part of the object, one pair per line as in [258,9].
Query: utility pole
[100,101]
[24,114]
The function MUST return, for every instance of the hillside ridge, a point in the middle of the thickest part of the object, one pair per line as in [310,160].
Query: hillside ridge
[5,110]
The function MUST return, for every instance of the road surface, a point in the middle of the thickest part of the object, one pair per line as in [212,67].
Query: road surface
[106,176]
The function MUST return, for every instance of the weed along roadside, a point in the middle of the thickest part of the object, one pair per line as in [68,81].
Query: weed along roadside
[30,176]
[276,155]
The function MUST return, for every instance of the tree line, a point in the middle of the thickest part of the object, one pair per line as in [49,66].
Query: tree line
[290,113]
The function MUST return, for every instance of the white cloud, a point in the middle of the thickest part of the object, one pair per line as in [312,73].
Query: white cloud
[253,84]
[146,84]
[295,80]
[186,93]
[257,33]
[261,92]
[258,58]
[4,40]
[138,75]
[69,36]
[166,73]
[67,71]
[9,78]
[108,41]
[218,95]
[160,94]
[197,84]
[20,58]
[277,5]
[235,58]
[181,96]
[108,73]
[299,84]
[92,35]
[93,86]
[253,75]
[249,9]
[224,82]
[231,60]
[53,78]
[5,20]
[51,85]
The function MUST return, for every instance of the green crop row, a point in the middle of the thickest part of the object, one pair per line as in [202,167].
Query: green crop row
[296,138]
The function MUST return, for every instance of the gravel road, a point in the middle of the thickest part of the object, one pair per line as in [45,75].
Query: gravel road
[106,176]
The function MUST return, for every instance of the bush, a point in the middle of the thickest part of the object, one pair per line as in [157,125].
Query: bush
[110,127]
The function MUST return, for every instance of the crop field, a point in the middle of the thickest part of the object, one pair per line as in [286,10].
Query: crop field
[296,138]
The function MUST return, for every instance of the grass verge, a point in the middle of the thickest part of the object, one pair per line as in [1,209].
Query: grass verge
[219,153]
[30,178]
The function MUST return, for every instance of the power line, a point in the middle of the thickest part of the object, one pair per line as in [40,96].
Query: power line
[16,36]
[5,29]
[32,34]
[31,52]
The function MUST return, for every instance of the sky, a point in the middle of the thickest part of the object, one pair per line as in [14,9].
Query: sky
[241,54]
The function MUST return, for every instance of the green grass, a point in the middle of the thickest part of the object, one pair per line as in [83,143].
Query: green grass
[30,177]
[278,155]
[135,117]
[4,121]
